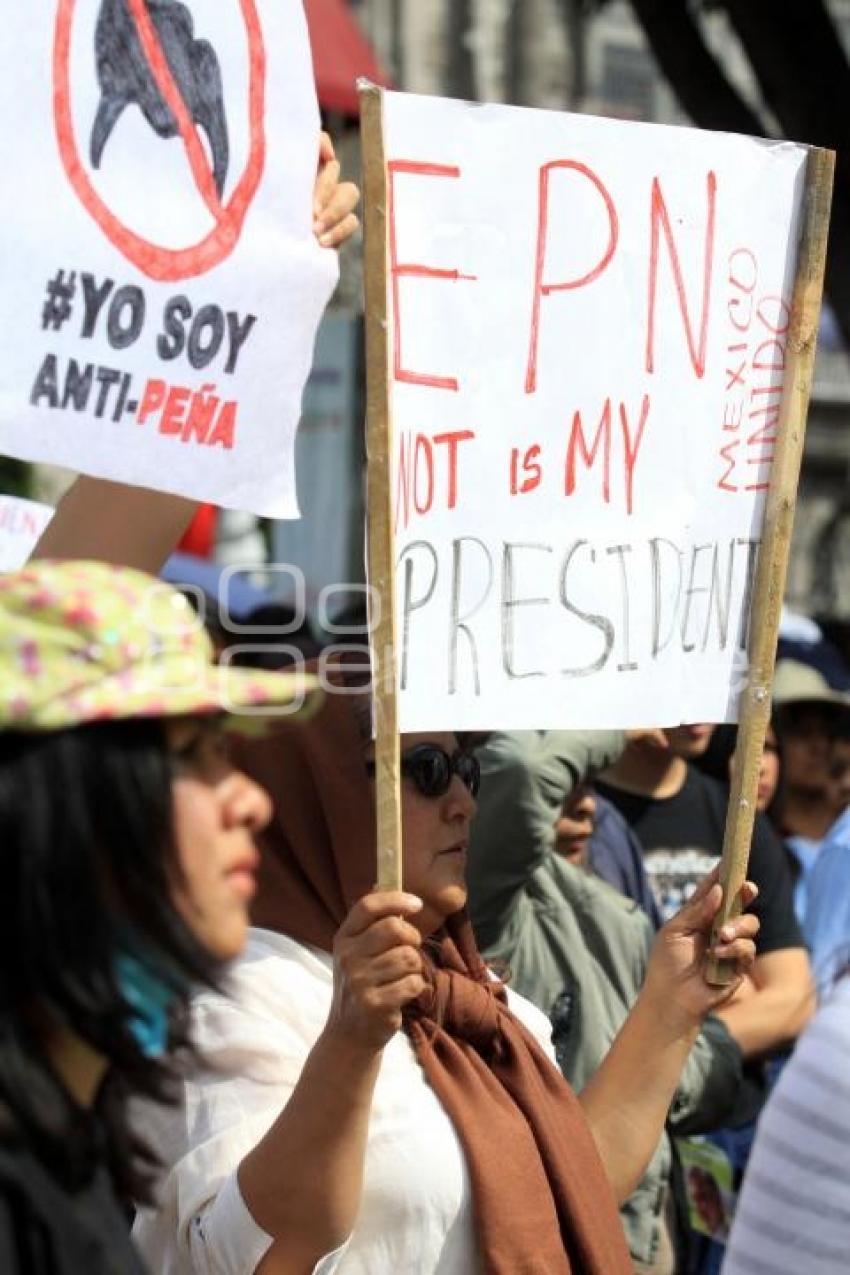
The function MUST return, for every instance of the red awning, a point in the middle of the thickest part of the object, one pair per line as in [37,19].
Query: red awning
[341,53]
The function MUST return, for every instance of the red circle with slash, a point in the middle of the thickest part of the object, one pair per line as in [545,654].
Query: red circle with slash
[154,260]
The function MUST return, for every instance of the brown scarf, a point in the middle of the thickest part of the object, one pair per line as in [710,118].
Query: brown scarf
[542,1201]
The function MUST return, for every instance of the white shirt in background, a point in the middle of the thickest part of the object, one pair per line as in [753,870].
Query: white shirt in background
[416,1210]
[793,1215]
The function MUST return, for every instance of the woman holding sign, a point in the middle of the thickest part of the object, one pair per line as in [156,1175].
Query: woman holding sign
[373,1098]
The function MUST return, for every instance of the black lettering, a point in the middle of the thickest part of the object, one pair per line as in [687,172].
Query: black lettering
[45,383]
[237,336]
[691,591]
[77,386]
[717,603]
[600,622]
[458,623]
[129,300]
[93,299]
[411,604]
[655,558]
[628,664]
[746,603]
[205,336]
[106,377]
[172,340]
[510,603]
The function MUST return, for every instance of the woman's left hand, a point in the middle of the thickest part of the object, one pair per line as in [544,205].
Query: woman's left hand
[675,978]
[333,201]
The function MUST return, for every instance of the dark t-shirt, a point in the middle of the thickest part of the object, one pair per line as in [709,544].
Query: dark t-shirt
[682,837]
[47,1228]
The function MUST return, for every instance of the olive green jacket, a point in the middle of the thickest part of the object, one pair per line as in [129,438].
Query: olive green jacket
[573,945]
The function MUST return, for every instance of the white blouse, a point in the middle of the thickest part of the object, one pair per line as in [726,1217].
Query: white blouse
[416,1208]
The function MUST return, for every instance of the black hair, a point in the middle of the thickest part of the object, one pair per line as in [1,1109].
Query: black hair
[717,759]
[88,864]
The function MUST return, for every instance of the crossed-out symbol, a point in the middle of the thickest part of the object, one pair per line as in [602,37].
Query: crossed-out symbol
[154,260]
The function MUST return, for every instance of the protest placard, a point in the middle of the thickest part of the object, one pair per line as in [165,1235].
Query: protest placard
[161,286]
[588,331]
[528,511]
[21,524]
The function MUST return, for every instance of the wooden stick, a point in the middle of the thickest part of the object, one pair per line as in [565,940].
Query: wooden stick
[380,551]
[754,703]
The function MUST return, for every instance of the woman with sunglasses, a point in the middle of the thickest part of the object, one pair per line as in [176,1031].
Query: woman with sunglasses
[373,1098]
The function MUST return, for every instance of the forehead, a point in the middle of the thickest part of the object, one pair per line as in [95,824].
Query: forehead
[809,718]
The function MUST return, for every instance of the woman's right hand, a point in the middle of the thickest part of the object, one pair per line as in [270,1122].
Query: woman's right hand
[377,968]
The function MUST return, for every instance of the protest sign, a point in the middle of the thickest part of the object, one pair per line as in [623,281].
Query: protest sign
[603,387]
[21,525]
[588,331]
[162,287]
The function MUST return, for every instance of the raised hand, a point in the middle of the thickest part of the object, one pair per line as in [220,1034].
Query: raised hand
[377,968]
[334,201]
[675,978]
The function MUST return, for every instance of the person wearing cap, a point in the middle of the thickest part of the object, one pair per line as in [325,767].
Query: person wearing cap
[810,716]
[128,861]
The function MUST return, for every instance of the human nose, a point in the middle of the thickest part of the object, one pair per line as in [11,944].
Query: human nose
[459,799]
[246,803]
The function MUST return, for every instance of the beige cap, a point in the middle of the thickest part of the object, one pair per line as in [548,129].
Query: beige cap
[797,683]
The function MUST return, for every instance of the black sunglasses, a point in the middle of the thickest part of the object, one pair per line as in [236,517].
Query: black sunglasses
[431,768]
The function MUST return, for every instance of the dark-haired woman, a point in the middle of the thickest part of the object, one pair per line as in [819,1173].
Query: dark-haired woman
[127,860]
[374,1100]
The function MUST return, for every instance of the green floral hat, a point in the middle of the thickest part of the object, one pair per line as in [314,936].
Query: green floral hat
[87,641]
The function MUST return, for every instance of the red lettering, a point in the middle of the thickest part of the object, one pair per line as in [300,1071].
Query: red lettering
[776,351]
[533,472]
[542,289]
[631,449]
[402,490]
[733,422]
[422,444]
[660,220]
[406,270]
[749,258]
[727,454]
[451,441]
[736,376]
[152,400]
[766,433]
[578,442]
[779,328]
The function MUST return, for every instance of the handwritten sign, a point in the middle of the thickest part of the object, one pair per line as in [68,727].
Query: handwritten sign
[158,312]
[21,525]
[588,325]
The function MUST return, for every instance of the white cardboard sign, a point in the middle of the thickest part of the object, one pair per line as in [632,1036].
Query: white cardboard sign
[161,285]
[588,325]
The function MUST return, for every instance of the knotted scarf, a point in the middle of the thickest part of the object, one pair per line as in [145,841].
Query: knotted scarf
[542,1202]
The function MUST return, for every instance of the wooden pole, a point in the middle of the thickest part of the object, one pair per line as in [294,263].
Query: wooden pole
[772,567]
[379,452]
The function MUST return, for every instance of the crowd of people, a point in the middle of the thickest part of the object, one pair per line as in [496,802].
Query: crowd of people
[217,1031]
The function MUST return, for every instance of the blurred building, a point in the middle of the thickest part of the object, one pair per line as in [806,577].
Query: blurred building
[546,53]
